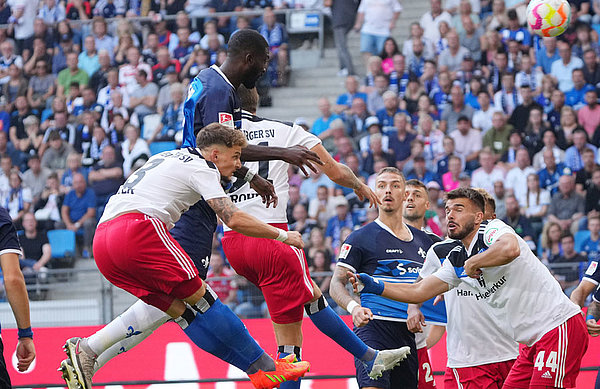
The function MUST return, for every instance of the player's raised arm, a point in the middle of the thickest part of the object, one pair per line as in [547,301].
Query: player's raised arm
[408,293]
[296,155]
[503,250]
[342,175]
[249,225]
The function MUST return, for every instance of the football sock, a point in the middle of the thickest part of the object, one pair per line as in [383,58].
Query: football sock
[123,346]
[213,327]
[284,351]
[132,323]
[329,323]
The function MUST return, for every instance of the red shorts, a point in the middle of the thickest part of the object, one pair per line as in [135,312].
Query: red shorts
[136,253]
[491,375]
[426,380]
[554,360]
[279,270]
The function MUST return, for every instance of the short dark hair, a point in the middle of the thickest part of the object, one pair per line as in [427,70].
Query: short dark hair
[246,41]
[248,98]
[567,235]
[417,183]
[489,200]
[469,194]
[463,118]
[218,134]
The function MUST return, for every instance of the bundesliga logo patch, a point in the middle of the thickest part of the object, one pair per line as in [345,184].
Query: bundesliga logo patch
[226,119]
[592,269]
[344,250]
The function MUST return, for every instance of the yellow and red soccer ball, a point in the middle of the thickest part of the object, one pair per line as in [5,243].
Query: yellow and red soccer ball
[548,17]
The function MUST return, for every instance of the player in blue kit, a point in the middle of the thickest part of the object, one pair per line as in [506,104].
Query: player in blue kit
[211,98]
[389,250]
[16,292]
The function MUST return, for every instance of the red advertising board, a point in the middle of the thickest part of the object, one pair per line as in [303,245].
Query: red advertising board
[169,355]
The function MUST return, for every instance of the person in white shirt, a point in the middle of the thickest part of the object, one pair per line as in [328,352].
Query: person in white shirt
[498,268]
[467,141]
[375,20]
[431,20]
[516,178]
[562,69]
[128,72]
[482,118]
[488,173]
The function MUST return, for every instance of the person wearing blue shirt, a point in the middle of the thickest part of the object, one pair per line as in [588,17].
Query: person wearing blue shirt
[78,212]
[88,58]
[322,124]
[573,154]
[515,32]
[389,250]
[343,218]
[551,173]
[386,114]
[344,101]
[591,244]
[575,96]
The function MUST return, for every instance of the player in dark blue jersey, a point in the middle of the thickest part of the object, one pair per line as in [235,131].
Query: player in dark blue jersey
[392,251]
[16,292]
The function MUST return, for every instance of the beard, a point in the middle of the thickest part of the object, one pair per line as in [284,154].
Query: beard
[412,216]
[462,233]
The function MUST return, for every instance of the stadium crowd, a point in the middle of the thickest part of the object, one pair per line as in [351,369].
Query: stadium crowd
[470,99]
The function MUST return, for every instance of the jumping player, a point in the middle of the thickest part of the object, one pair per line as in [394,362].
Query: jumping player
[526,301]
[134,250]
[280,271]
[212,98]
[16,292]
[391,250]
[480,354]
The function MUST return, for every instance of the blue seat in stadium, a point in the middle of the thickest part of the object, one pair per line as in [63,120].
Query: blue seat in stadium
[159,147]
[580,236]
[62,243]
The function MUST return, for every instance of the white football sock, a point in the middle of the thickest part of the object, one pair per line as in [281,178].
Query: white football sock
[131,324]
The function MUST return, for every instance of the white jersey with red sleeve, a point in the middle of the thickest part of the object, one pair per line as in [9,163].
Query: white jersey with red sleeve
[474,337]
[265,132]
[166,186]
[523,296]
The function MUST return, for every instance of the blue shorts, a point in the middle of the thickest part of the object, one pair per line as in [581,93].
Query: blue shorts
[385,335]
[370,43]
[194,232]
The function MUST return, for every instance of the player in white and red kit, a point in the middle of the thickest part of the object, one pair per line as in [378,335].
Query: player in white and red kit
[519,292]
[281,272]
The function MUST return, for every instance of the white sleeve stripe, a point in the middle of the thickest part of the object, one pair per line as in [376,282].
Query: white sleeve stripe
[11,251]
[593,281]
[343,264]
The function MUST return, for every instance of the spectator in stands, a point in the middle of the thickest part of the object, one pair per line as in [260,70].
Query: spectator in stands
[18,199]
[73,166]
[55,156]
[550,175]
[165,63]
[573,155]
[590,246]
[375,152]
[549,141]
[535,204]
[547,54]
[567,206]
[224,288]
[343,15]
[568,276]
[568,122]
[318,208]
[47,208]
[26,141]
[134,150]
[344,101]
[420,172]
[519,117]
[35,177]
[104,95]
[105,177]
[575,97]
[70,75]
[36,248]
[497,137]
[18,116]
[88,58]
[468,142]
[592,196]
[451,58]
[129,72]
[172,118]
[488,173]
[516,32]
[450,178]
[591,70]
[529,75]
[302,223]
[41,87]
[98,79]
[482,118]
[6,167]
[416,58]
[388,112]
[51,11]
[562,69]
[87,103]
[517,221]
[276,35]
[589,115]
[430,20]
[515,143]
[343,218]
[390,48]
[507,98]
[356,117]
[551,244]
[400,143]
[455,109]
[185,47]
[375,20]
[375,97]
[534,130]
[516,178]
[78,211]
[322,123]
[583,178]
[8,58]
[143,98]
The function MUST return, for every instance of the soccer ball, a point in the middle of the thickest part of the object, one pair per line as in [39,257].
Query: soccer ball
[548,17]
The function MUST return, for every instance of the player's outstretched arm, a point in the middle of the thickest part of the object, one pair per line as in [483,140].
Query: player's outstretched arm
[430,287]
[16,292]
[580,293]
[337,290]
[263,187]
[342,175]
[503,251]
[295,155]
[591,322]
[249,225]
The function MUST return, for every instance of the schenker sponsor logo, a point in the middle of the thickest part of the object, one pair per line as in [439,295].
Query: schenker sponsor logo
[497,285]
